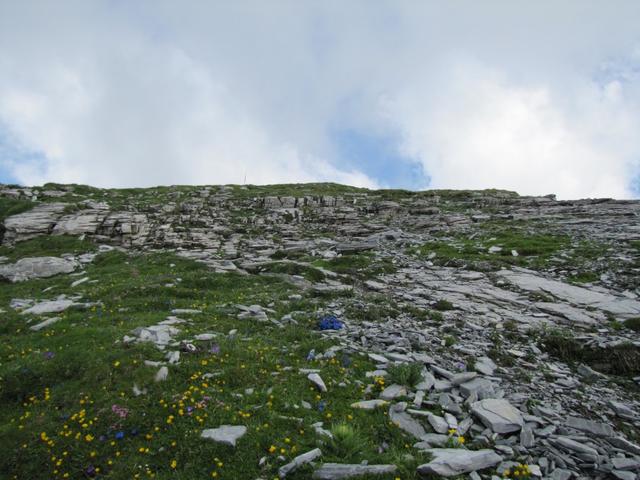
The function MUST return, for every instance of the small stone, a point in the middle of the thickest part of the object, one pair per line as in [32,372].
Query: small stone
[561,474]
[625,445]
[162,374]
[431,440]
[79,282]
[482,387]
[405,421]
[485,366]
[393,391]
[527,440]
[44,324]
[203,337]
[378,358]
[449,462]
[623,410]
[184,311]
[439,424]
[622,475]
[225,434]
[299,461]
[137,391]
[337,471]
[625,463]
[317,381]
[463,377]
[173,357]
[499,415]
[572,445]
[452,421]
[49,306]
[594,428]
[369,404]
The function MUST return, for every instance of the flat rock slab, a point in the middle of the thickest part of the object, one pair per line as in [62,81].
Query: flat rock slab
[482,387]
[36,221]
[393,391]
[594,428]
[485,366]
[498,414]
[49,306]
[336,471]
[573,446]
[226,434]
[438,424]
[528,281]
[36,267]
[449,462]
[572,314]
[299,461]
[406,422]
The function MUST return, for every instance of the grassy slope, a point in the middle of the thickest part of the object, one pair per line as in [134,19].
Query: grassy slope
[58,386]
[12,206]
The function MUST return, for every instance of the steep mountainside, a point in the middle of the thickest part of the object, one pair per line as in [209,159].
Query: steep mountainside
[230,331]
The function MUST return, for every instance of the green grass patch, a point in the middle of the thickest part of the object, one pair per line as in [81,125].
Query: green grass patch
[47,245]
[291,268]
[14,206]
[408,374]
[360,266]
[535,250]
[633,324]
[67,391]
[623,359]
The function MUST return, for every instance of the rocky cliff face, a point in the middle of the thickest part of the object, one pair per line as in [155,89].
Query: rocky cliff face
[538,299]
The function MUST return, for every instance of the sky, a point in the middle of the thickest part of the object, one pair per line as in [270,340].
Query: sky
[537,97]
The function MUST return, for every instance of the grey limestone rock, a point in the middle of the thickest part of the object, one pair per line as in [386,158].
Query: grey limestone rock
[499,415]
[406,422]
[337,471]
[392,392]
[449,462]
[36,267]
[369,404]
[225,434]
[317,381]
[299,461]
[44,324]
[594,428]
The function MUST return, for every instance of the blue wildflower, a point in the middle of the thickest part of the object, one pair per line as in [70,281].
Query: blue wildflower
[330,322]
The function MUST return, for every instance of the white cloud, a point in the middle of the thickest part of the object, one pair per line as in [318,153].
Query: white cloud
[542,98]
[476,130]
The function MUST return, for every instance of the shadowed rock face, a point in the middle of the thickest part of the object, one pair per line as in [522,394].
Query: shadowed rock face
[512,307]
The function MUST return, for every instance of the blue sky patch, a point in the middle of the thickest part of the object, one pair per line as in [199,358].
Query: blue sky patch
[377,156]
[12,153]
